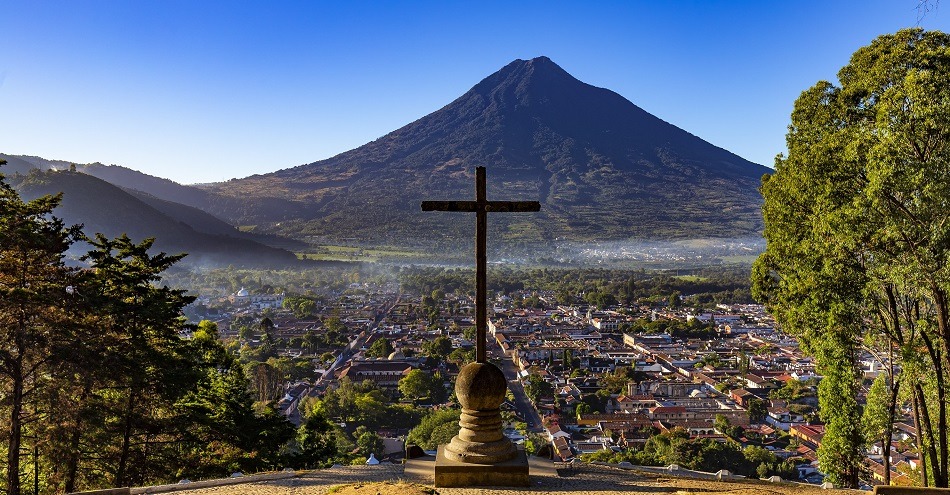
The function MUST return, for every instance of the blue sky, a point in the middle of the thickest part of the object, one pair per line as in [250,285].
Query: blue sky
[201,91]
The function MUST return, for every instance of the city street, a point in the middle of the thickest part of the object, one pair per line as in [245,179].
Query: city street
[522,403]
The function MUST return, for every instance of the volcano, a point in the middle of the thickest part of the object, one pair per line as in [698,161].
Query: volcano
[602,168]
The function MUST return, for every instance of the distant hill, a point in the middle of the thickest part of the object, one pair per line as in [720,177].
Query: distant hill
[104,208]
[235,210]
[23,164]
[602,167]
[16,165]
[187,204]
[207,223]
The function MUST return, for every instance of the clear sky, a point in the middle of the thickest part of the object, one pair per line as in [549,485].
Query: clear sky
[202,91]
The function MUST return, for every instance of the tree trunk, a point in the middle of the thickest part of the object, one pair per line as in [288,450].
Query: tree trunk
[940,469]
[940,298]
[72,464]
[889,431]
[927,432]
[941,481]
[920,442]
[122,471]
[16,435]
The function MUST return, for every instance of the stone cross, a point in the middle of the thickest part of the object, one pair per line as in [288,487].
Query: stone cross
[481,207]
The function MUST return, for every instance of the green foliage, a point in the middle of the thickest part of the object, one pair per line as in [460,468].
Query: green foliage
[334,324]
[315,442]
[461,357]
[874,419]
[856,231]
[600,299]
[616,381]
[381,348]
[419,384]
[675,447]
[538,389]
[36,323]
[436,428]
[794,390]
[757,410]
[364,404]
[369,442]
[534,442]
[438,348]
[115,395]
[301,307]
[722,424]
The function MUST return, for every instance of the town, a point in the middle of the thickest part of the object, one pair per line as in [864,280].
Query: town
[666,380]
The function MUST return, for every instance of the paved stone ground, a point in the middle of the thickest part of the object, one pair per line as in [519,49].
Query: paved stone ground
[583,480]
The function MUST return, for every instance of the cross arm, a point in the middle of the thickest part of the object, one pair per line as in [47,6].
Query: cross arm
[449,206]
[490,206]
[513,206]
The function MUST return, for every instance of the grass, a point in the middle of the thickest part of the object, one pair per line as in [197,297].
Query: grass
[741,259]
[691,278]
[350,253]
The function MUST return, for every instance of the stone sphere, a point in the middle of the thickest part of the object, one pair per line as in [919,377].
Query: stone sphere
[481,386]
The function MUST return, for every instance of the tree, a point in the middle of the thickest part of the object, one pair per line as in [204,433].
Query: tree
[34,316]
[757,410]
[461,356]
[381,348]
[369,442]
[436,428]
[264,380]
[418,384]
[221,431]
[315,441]
[857,242]
[301,307]
[537,388]
[877,419]
[439,348]
[334,324]
[674,299]
[581,409]
[246,333]
[148,362]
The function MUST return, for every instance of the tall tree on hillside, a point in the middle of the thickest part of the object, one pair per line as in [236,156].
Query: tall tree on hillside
[858,237]
[149,362]
[35,286]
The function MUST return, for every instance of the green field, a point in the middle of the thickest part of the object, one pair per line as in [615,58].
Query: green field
[350,253]
[691,278]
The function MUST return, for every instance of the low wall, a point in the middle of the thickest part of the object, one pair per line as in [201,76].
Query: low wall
[675,470]
[107,491]
[211,483]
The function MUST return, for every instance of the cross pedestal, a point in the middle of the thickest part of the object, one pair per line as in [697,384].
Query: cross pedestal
[481,455]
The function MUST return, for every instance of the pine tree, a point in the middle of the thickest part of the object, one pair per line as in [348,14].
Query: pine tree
[149,364]
[35,322]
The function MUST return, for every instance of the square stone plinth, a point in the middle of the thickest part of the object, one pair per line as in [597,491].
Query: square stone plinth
[450,473]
